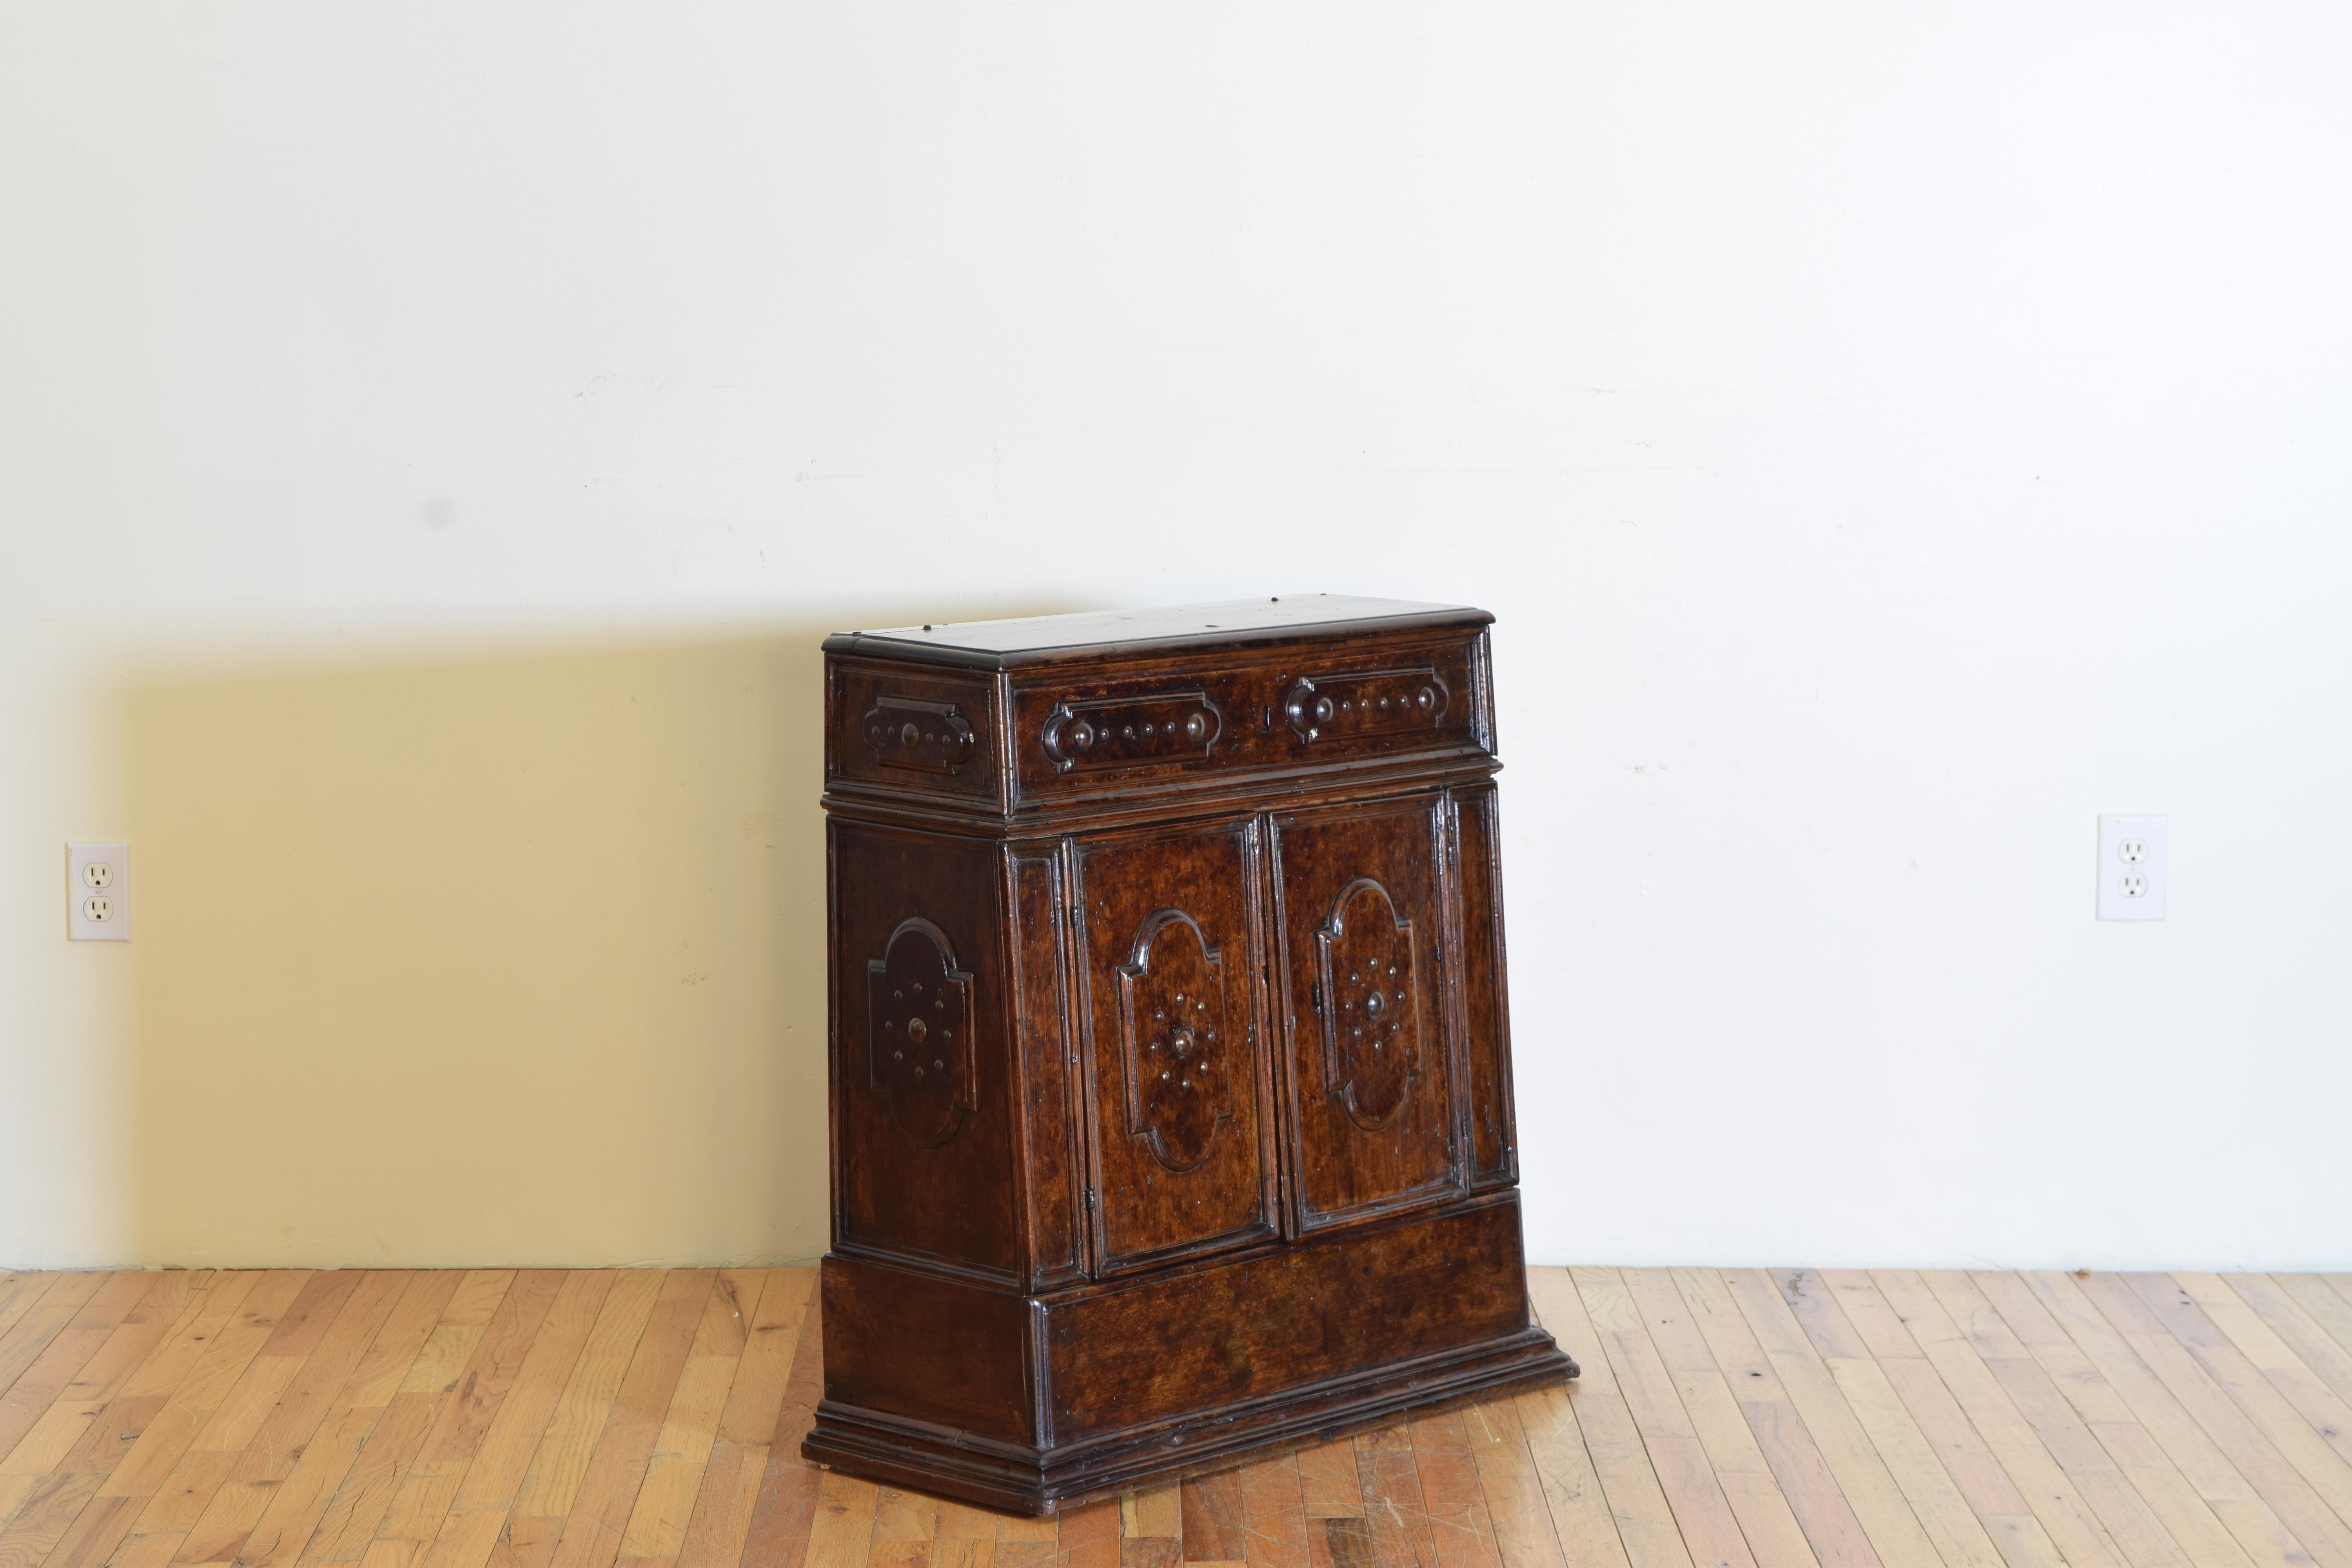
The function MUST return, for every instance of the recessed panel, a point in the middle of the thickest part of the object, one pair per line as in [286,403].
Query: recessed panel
[923,1143]
[1168,939]
[1362,994]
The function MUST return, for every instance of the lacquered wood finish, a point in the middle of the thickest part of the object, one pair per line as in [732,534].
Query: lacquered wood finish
[1172,1099]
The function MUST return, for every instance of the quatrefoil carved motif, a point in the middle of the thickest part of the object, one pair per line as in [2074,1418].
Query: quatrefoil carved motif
[919,1033]
[1370,1002]
[1171,1003]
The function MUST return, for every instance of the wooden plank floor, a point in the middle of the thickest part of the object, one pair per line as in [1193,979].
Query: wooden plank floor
[641,1419]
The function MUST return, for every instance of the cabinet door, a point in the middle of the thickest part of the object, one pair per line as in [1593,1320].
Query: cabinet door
[1370,1113]
[1181,1149]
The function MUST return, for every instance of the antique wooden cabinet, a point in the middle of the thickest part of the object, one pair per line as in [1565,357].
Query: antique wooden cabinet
[1170,1069]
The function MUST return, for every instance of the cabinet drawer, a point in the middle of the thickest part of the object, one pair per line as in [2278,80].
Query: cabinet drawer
[1081,733]
[910,731]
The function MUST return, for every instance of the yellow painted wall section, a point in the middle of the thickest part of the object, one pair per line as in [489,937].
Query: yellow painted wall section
[515,959]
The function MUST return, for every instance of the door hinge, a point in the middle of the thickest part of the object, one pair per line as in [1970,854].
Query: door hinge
[1090,1200]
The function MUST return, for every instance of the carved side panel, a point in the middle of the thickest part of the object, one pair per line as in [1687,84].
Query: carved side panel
[928,737]
[898,730]
[1370,991]
[922,1168]
[918,1034]
[1173,1025]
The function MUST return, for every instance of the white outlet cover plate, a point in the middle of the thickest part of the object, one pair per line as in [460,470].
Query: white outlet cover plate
[2133,847]
[98,871]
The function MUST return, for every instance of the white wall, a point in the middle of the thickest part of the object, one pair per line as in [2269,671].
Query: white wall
[1889,436]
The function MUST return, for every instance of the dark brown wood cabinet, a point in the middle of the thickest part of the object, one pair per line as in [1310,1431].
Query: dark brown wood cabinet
[1170,1077]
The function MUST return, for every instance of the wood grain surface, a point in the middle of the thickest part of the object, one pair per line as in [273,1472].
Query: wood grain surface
[524,1419]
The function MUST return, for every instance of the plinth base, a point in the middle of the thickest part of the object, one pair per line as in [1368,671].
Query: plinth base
[1016,1479]
[947,1385]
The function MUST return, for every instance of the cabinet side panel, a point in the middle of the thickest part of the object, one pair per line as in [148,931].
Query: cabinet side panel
[1326,1309]
[921,1071]
[1494,1141]
[929,1349]
[1042,1019]
[910,731]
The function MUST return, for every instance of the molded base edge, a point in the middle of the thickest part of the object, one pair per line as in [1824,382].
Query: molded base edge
[1017,1479]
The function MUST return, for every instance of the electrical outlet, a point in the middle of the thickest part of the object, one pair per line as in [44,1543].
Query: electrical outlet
[98,892]
[2132,863]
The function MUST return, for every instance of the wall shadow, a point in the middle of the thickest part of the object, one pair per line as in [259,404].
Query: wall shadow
[506,960]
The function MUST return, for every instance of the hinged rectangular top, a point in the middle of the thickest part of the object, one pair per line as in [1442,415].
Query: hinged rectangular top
[1032,639]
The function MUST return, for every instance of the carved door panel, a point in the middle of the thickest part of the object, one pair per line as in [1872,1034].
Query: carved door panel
[1166,930]
[1362,993]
